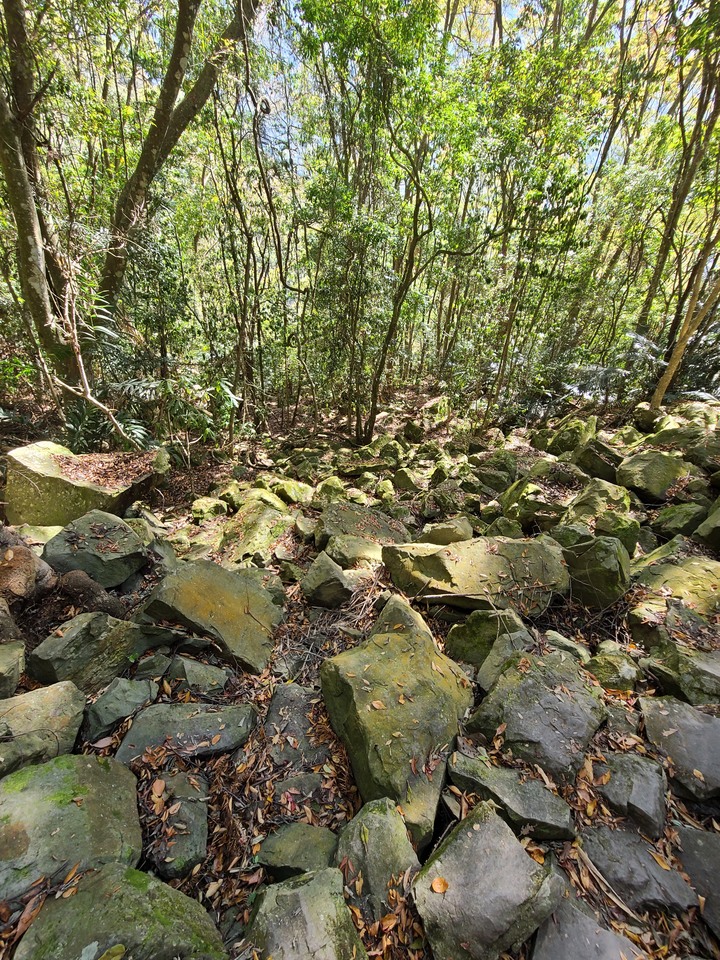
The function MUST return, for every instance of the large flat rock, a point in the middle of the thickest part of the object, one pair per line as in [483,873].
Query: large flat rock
[691,739]
[101,545]
[574,932]
[232,607]
[117,906]
[700,856]
[396,702]
[492,894]
[70,810]
[39,725]
[485,573]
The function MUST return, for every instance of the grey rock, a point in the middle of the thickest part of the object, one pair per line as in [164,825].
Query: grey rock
[349,519]
[349,551]
[550,711]
[558,642]
[528,805]
[636,789]
[144,915]
[184,841]
[296,848]
[599,571]
[306,917]
[325,584]
[40,724]
[573,931]
[232,607]
[102,545]
[70,810]
[287,728]
[203,677]
[626,862]
[194,730]
[511,895]
[121,699]
[691,739]
[473,640]
[450,531]
[12,664]
[374,845]
[699,854]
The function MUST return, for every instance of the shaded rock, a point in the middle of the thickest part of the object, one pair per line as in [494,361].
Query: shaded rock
[571,433]
[305,917]
[193,729]
[349,519]
[183,843]
[296,848]
[70,810]
[255,530]
[708,532]
[287,728]
[353,551]
[503,527]
[12,664]
[43,488]
[573,931]
[599,571]
[102,545]
[483,573]
[89,595]
[511,894]
[557,641]
[232,607]
[598,459]
[395,701]
[374,845]
[154,667]
[528,503]
[325,584]
[121,699]
[691,739]
[149,919]
[636,789]
[605,508]
[450,531]
[9,630]
[203,677]
[627,863]
[614,670]
[406,479]
[39,725]
[473,640]
[550,711]
[699,854]
[679,518]
[91,650]
[652,474]
[527,805]
[329,490]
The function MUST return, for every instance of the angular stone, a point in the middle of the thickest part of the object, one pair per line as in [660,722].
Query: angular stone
[353,551]
[192,729]
[550,712]
[296,848]
[325,584]
[292,491]
[121,699]
[203,677]
[496,894]
[102,545]
[708,532]
[255,530]
[605,508]
[473,640]
[91,650]
[120,908]
[614,670]
[22,573]
[206,508]
[556,641]
[527,805]
[598,459]
[699,854]
[573,931]
[627,863]
[39,725]
[183,842]
[305,917]
[374,845]
[679,519]
[395,701]
[531,505]
[12,664]
[450,531]
[232,607]
[652,474]
[287,728]
[70,810]
[406,479]
[41,489]
[691,739]
[636,789]
[485,573]
[599,571]
[694,580]
[349,519]
[571,433]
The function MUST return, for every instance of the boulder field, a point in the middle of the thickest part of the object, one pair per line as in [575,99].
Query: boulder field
[444,696]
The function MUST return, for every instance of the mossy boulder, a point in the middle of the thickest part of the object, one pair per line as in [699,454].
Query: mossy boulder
[396,701]
[254,531]
[102,545]
[12,664]
[450,531]
[44,485]
[597,459]
[652,474]
[70,810]
[120,912]
[350,519]
[708,532]
[208,508]
[679,519]
[38,725]
[292,491]
[599,571]
[326,584]
[296,848]
[349,551]
[605,508]
[234,608]
[531,505]
[473,640]
[484,573]
[570,433]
